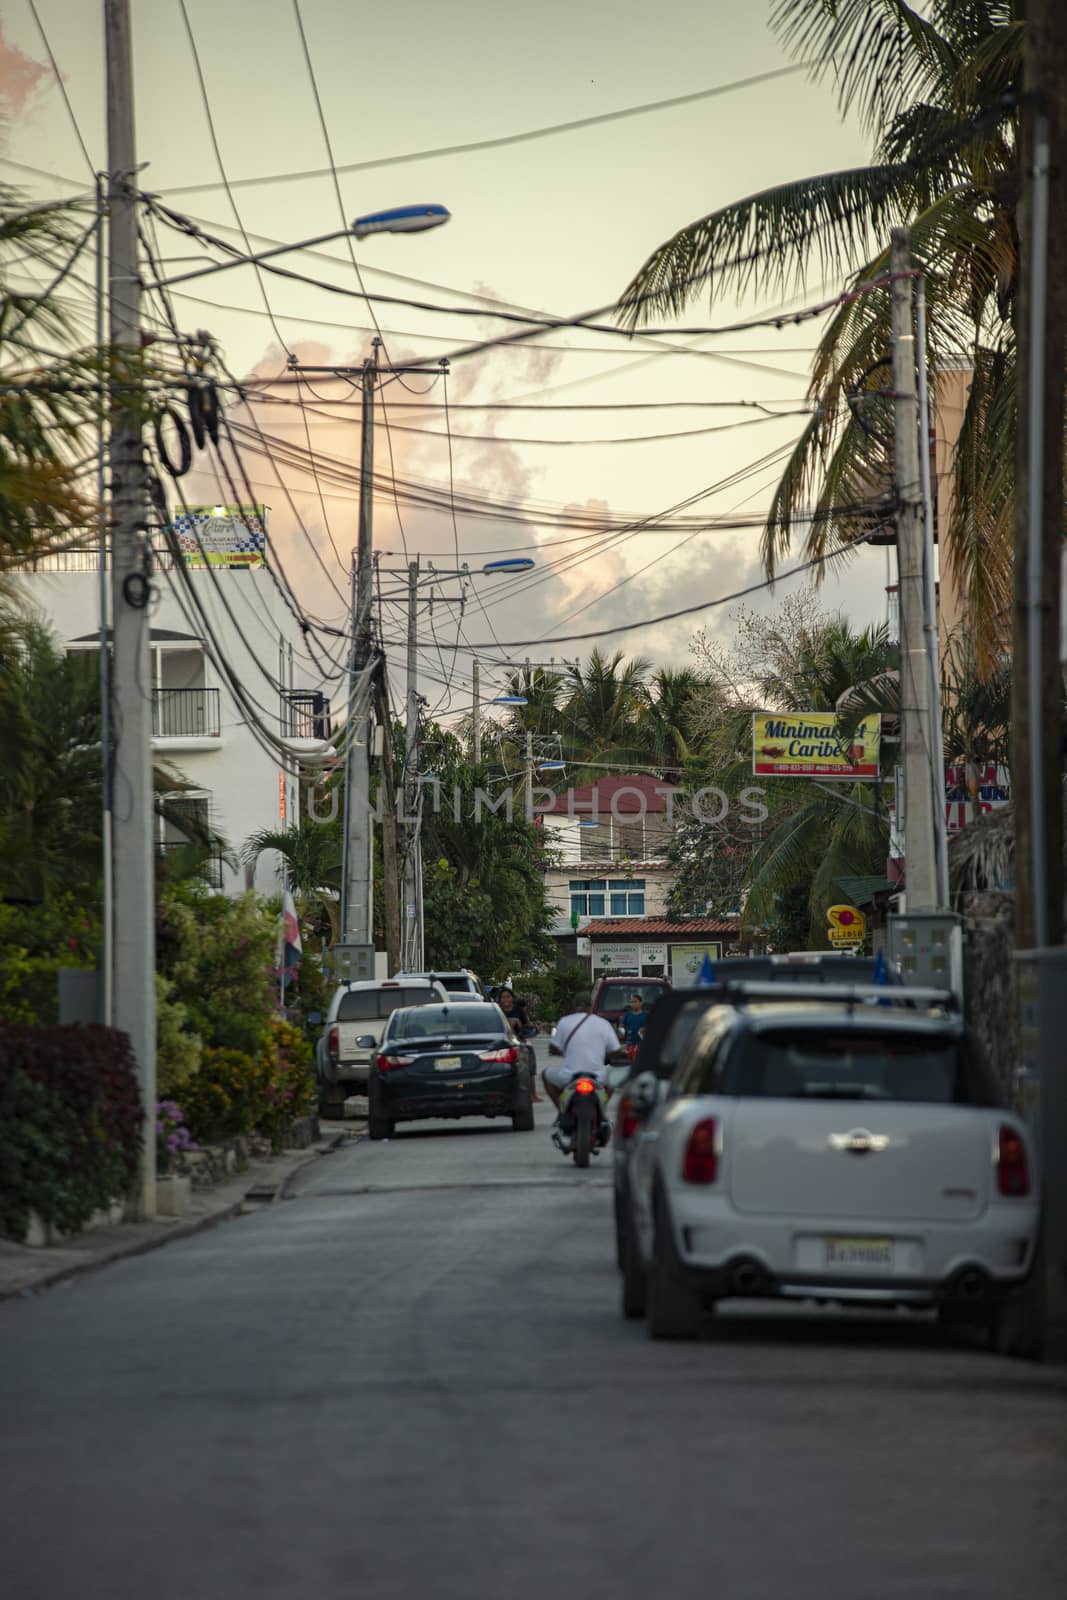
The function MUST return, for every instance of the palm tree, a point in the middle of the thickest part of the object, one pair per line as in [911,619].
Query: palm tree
[667,726]
[313,855]
[49,402]
[601,713]
[939,93]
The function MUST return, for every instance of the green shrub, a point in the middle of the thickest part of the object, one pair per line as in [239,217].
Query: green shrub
[290,1082]
[71,1125]
[35,941]
[225,1098]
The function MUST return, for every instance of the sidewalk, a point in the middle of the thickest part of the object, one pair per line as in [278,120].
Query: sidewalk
[25,1270]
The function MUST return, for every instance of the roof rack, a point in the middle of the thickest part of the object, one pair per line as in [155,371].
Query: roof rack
[894,994]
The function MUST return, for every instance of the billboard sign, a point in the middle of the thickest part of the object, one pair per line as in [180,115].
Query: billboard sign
[222,536]
[967,797]
[687,960]
[812,744]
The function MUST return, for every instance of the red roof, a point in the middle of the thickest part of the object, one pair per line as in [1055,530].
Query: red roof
[641,797]
[658,925]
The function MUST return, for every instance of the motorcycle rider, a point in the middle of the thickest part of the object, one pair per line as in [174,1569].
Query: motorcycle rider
[516,1013]
[585,1041]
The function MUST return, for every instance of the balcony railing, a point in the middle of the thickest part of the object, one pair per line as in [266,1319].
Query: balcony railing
[186,714]
[308,715]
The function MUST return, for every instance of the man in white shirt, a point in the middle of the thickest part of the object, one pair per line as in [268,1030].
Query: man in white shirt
[585,1041]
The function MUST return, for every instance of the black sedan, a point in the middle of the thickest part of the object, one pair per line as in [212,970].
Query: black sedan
[461,1060]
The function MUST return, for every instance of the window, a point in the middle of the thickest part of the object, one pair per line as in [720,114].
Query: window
[853,1064]
[587,896]
[446,1022]
[627,897]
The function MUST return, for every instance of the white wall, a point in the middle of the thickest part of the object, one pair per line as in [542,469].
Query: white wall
[241,778]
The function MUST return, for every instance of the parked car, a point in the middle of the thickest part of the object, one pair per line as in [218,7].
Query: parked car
[460,981]
[675,1015]
[458,1059]
[835,1151]
[354,1024]
[611,996]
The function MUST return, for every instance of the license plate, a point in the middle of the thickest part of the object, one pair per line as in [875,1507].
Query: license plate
[844,1252]
[447,1063]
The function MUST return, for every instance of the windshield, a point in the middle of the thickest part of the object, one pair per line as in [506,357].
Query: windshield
[616,996]
[457,983]
[447,1022]
[854,1064]
[368,1005]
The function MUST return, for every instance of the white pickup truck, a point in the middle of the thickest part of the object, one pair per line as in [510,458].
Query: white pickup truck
[354,1025]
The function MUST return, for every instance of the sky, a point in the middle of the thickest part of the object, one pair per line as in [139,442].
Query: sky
[559,224]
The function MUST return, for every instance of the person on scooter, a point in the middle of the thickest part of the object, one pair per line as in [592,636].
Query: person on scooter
[585,1041]
[518,1016]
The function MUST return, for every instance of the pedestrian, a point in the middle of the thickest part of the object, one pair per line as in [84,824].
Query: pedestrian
[633,1021]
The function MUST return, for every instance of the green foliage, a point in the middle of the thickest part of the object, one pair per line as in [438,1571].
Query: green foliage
[235,1094]
[35,941]
[178,1048]
[70,1124]
[217,954]
[551,992]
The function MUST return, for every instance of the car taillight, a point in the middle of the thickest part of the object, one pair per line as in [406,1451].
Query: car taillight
[629,1121]
[333,1043]
[1013,1170]
[390,1063]
[585,1086]
[508,1055]
[701,1163]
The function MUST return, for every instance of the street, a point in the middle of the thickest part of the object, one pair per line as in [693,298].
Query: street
[412,1379]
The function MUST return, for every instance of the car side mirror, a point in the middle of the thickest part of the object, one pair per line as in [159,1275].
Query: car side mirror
[366,1041]
[617,1076]
[645,1093]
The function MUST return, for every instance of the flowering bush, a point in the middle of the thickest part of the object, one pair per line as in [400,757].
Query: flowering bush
[35,941]
[289,1089]
[225,1098]
[172,1136]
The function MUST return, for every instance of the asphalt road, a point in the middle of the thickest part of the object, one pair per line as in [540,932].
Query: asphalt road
[412,1380]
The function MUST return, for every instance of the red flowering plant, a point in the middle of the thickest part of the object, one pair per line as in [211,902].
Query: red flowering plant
[290,1088]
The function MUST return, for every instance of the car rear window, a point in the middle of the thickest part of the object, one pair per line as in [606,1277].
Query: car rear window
[447,1022]
[616,996]
[368,1005]
[853,1064]
[457,984]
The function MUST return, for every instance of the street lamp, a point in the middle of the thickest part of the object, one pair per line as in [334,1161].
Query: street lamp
[510,700]
[516,564]
[401,219]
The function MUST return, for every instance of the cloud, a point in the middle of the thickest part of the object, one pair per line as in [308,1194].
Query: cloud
[20,77]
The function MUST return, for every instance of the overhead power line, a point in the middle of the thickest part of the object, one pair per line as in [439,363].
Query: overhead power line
[503,140]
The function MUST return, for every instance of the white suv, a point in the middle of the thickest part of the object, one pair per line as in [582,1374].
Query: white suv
[354,1025]
[461,981]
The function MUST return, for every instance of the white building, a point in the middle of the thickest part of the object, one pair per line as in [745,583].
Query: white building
[200,730]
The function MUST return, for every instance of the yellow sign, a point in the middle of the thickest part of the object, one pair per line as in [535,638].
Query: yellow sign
[812,744]
[847,925]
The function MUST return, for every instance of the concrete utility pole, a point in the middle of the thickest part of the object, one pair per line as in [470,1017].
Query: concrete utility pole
[357,905]
[476,713]
[917,729]
[413,936]
[1041,344]
[134,940]
[390,853]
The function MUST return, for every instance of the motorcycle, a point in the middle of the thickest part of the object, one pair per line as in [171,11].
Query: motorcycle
[583,1129]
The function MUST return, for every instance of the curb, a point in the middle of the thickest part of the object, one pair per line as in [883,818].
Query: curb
[181,1230]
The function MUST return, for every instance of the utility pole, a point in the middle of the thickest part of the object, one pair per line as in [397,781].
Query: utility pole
[413,939]
[1041,344]
[917,730]
[357,906]
[476,714]
[133,856]
[529,768]
[390,853]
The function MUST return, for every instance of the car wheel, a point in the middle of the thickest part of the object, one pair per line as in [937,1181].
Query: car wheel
[331,1100]
[1017,1326]
[674,1309]
[522,1118]
[634,1277]
[379,1124]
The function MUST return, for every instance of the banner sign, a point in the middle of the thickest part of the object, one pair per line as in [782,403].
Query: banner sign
[989,788]
[811,744]
[687,960]
[222,536]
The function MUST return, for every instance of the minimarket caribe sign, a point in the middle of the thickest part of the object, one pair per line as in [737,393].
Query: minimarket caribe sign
[813,744]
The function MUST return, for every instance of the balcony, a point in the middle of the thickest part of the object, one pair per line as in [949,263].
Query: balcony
[307,715]
[186,714]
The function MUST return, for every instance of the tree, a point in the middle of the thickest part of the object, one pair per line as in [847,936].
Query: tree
[939,94]
[313,853]
[668,724]
[798,659]
[605,700]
